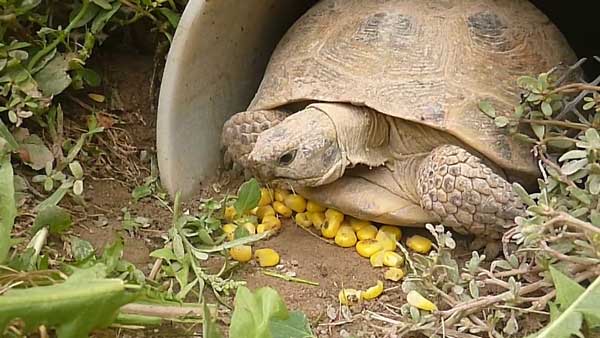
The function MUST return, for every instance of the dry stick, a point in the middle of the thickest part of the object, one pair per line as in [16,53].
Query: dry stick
[161,310]
[155,269]
[570,220]
[289,278]
[473,305]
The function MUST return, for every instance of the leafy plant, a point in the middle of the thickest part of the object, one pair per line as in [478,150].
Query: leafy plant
[261,313]
[193,238]
[66,306]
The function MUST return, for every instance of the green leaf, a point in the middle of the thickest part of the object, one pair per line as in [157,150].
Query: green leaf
[81,249]
[112,254]
[572,155]
[501,121]
[567,290]
[571,167]
[486,107]
[54,79]
[140,192]
[593,183]
[546,109]
[209,327]
[8,137]
[8,209]
[295,326]
[104,4]
[248,197]
[580,194]
[89,14]
[164,253]
[178,248]
[74,308]
[104,17]
[576,305]
[54,217]
[55,198]
[253,312]
[91,77]
[523,194]
[38,153]
[539,130]
[171,16]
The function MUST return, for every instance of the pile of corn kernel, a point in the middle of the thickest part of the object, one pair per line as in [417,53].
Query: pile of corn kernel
[376,244]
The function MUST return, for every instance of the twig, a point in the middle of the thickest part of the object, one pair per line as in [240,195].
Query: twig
[563,217]
[289,278]
[162,311]
[155,269]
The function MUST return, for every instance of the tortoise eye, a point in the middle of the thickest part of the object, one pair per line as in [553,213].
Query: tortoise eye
[287,158]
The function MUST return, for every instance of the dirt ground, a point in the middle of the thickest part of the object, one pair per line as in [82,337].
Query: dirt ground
[131,112]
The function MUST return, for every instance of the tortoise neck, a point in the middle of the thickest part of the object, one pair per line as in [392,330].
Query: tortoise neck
[362,133]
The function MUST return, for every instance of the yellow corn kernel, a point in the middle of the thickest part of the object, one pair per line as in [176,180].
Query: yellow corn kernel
[281,209]
[273,221]
[253,211]
[376,259]
[358,224]
[262,227]
[348,296]
[230,214]
[265,211]
[393,231]
[331,227]
[317,219]
[419,244]
[242,253]
[302,220]
[367,247]
[267,257]
[334,215]
[295,202]
[229,230]
[367,232]
[392,259]
[386,241]
[313,206]
[280,194]
[415,299]
[394,274]
[266,197]
[373,292]
[250,227]
[345,236]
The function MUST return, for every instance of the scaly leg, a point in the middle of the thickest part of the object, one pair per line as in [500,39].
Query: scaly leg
[466,194]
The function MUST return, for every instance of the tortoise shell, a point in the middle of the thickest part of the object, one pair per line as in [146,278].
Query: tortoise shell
[427,61]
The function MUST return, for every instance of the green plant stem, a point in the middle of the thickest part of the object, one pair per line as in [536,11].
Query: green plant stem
[61,36]
[289,278]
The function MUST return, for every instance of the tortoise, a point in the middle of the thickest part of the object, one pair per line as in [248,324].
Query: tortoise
[372,108]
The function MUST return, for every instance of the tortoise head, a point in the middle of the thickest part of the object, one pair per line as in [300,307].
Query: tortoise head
[302,150]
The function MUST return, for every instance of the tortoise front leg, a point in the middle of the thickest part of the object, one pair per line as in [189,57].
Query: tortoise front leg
[241,131]
[466,194]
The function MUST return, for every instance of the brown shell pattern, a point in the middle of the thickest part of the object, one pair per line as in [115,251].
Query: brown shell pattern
[428,61]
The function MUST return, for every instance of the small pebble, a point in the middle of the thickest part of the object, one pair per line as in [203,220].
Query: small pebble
[331,312]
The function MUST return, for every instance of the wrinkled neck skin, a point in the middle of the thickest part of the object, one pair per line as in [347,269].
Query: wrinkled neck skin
[362,134]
